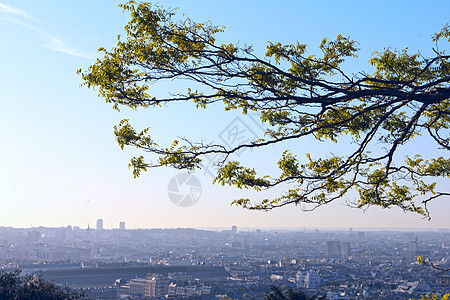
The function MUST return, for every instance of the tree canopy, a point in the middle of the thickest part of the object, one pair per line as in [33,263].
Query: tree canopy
[14,286]
[297,95]
[288,294]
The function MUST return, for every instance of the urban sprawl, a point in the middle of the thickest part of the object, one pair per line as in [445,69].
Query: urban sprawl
[238,264]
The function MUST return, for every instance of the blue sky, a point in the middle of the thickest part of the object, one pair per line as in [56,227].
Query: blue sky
[60,164]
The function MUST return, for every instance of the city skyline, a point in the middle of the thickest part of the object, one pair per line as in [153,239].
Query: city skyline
[351,263]
[60,164]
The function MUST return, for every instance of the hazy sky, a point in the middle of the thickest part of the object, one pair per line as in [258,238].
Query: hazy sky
[60,164]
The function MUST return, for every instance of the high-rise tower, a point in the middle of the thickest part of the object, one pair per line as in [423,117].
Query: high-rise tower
[99,224]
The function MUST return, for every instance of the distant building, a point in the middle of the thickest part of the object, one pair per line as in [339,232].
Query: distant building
[177,290]
[300,279]
[138,286]
[312,279]
[333,248]
[414,287]
[152,286]
[180,276]
[122,225]
[309,279]
[345,249]
[234,229]
[443,278]
[158,286]
[412,247]
[99,224]
[123,291]
[276,277]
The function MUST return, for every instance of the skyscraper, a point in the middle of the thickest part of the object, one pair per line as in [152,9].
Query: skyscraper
[99,224]
[346,250]
[333,248]
[122,225]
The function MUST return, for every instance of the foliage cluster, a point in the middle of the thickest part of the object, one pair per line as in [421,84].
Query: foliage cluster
[297,95]
[14,286]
